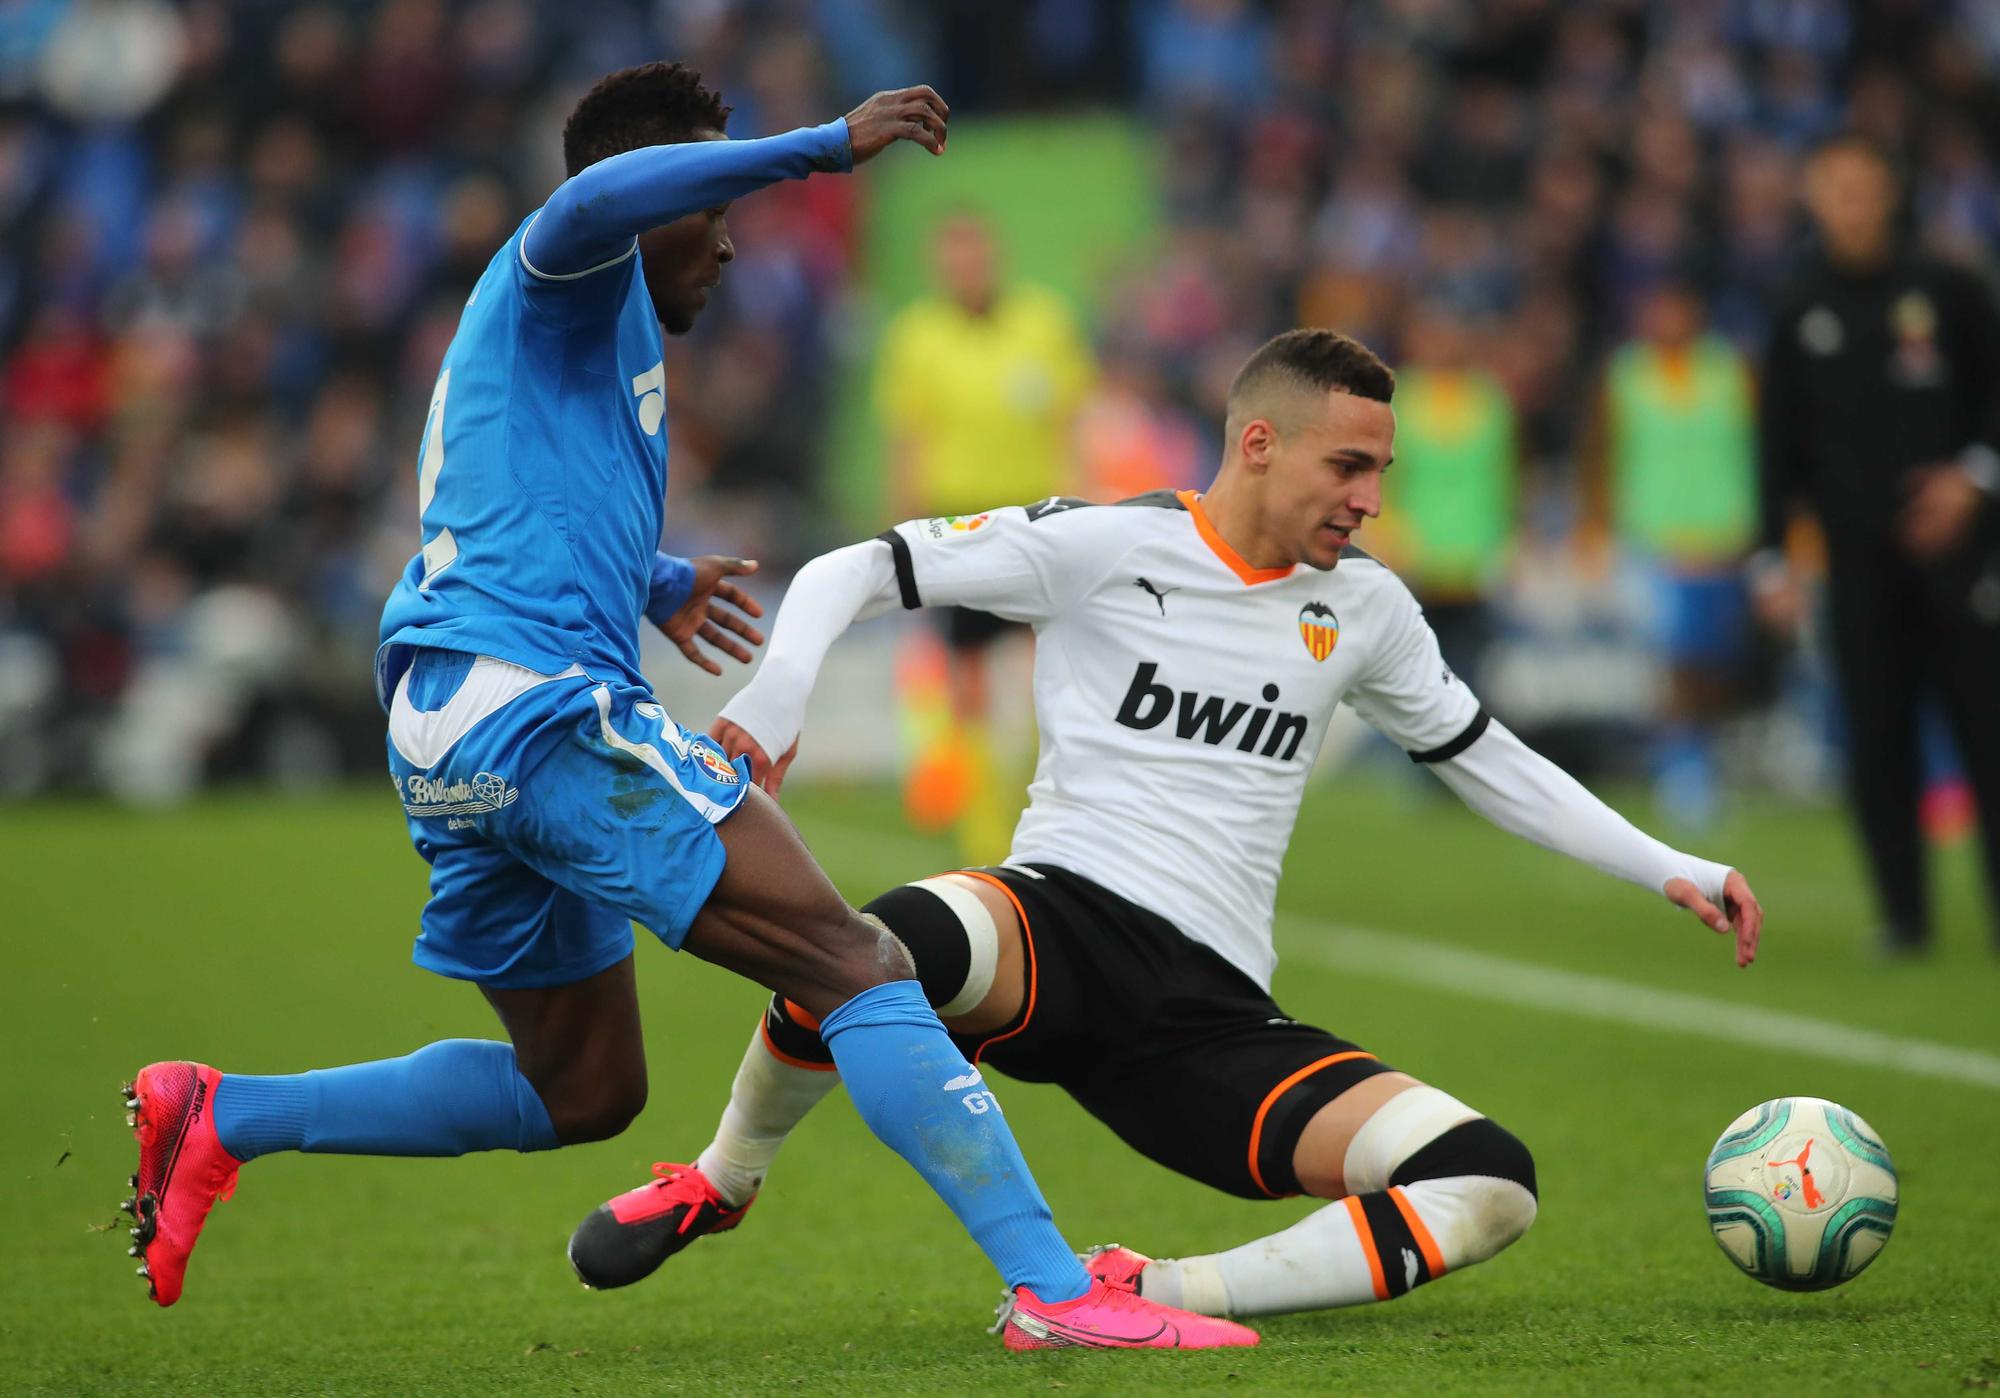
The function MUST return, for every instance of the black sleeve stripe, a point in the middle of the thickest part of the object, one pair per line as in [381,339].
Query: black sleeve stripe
[906,576]
[1459,744]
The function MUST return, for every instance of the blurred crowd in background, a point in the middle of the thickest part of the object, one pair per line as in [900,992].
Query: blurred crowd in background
[237,237]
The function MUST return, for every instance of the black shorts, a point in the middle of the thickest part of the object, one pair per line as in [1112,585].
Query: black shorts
[967,629]
[1161,1039]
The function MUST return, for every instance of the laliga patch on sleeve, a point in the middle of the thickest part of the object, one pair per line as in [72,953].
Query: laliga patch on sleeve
[952,526]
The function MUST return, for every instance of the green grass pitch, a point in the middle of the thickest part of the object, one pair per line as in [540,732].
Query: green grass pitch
[267,934]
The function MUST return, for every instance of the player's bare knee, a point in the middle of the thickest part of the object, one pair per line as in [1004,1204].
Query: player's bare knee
[845,954]
[867,954]
[600,1114]
[892,955]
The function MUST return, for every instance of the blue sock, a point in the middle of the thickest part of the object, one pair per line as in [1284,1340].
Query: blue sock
[447,1098]
[922,1099]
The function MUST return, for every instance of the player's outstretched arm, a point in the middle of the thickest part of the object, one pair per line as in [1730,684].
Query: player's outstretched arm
[593,216]
[1411,695]
[827,596]
[1524,793]
[1018,564]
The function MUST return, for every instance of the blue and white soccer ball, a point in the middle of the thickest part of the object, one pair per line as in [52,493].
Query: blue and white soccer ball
[1801,1193]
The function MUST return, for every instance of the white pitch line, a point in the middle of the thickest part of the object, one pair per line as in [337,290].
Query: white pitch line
[1440,966]
[1504,980]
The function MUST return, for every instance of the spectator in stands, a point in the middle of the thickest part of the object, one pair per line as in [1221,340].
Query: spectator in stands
[287,194]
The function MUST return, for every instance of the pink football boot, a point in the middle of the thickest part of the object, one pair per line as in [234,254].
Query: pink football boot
[624,1240]
[1115,1265]
[1110,1317]
[183,1169]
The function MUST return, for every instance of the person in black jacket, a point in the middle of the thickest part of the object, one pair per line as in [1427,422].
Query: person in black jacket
[1881,412]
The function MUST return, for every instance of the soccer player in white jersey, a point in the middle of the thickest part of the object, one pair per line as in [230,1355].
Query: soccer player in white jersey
[1190,652]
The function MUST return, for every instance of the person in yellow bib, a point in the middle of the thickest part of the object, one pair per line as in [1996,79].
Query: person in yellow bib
[1674,483]
[1458,458]
[978,387]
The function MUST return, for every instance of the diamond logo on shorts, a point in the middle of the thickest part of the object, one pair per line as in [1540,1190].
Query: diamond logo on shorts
[426,797]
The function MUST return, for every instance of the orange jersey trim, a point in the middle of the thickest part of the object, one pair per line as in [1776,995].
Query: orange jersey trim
[1219,546]
[764,1028]
[1368,1248]
[1027,941]
[1426,1244]
[1271,1099]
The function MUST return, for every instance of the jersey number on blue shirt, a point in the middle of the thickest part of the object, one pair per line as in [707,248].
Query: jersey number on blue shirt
[439,552]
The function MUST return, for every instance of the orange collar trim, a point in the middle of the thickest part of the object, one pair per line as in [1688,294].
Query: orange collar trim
[1220,546]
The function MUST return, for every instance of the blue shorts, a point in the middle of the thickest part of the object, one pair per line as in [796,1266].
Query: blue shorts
[1702,618]
[554,813]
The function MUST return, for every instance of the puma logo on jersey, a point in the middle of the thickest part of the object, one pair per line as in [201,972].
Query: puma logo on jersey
[1158,594]
[1210,718]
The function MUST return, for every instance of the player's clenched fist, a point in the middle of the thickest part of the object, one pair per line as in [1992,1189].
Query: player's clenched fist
[907,114]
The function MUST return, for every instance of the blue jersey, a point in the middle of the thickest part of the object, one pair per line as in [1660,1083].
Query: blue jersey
[542,475]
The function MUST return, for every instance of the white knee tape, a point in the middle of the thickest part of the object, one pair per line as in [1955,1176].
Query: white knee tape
[1401,1127]
[982,939]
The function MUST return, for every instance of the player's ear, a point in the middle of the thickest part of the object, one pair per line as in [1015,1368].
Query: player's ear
[1256,443]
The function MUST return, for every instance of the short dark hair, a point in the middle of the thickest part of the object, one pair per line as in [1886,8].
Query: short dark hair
[1317,361]
[654,104]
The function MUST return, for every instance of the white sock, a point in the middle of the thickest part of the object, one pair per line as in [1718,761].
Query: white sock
[1314,1264]
[768,1099]
[1319,1262]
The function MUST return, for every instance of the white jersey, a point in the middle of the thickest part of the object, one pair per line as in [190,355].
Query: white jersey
[1182,695]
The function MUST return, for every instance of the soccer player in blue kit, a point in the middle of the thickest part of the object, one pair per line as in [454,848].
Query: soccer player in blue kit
[555,801]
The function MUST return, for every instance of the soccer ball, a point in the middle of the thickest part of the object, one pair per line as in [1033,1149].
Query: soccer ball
[1800,1193]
